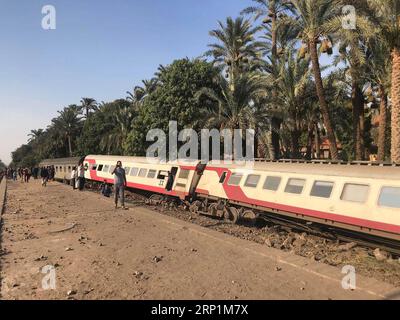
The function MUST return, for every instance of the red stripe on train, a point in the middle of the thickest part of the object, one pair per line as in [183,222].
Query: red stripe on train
[94,176]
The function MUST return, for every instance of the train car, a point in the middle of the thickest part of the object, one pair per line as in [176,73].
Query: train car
[354,197]
[360,198]
[62,166]
[160,178]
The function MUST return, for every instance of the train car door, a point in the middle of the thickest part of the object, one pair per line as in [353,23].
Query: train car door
[182,182]
[171,178]
[196,177]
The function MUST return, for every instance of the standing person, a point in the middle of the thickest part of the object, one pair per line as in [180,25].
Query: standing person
[119,184]
[81,173]
[14,175]
[27,175]
[72,181]
[44,174]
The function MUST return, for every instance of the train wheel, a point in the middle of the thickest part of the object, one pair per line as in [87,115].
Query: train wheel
[249,217]
[231,214]
[213,209]
[154,199]
[195,207]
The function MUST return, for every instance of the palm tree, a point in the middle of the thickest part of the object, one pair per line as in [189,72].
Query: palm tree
[68,124]
[387,18]
[379,70]
[139,93]
[87,105]
[295,94]
[122,116]
[237,50]
[353,49]
[313,20]
[236,107]
[34,135]
[273,12]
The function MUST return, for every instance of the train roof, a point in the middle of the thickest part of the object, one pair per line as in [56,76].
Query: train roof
[72,160]
[143,160]
[352,169]
[335,169]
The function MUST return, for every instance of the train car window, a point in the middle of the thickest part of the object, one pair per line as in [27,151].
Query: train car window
[134,172]
[152,174]
[235,179]
[184,174]
[389,197]
[106,167]
[112,168]
[252,180]
[100,167]
[295,186]
[94,167]
[142,172]
[127,169]
[272,183]
[355,192]
[322,189]
[162,174]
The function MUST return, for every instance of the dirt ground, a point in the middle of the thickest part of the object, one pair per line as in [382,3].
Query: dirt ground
[98,252]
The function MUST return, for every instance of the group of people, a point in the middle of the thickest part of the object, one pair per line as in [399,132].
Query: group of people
[77,179]
[47,174]
[23,174]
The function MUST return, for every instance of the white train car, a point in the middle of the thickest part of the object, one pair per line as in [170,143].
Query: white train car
[164,178]
[356,197]
[62,167]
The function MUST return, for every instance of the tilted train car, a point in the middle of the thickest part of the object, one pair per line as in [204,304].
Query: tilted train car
[359,198]
[355,197]
[160,178]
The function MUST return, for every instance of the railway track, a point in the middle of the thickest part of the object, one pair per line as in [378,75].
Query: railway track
[289,225]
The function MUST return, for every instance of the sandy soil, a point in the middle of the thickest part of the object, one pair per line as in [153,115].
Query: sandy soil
[102,253]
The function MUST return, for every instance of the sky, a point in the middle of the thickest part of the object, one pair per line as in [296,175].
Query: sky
[99,49]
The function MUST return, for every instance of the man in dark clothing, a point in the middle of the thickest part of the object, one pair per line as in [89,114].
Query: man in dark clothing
[119,184]
[44,174]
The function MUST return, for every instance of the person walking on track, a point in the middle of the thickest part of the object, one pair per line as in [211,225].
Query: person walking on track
[119,184]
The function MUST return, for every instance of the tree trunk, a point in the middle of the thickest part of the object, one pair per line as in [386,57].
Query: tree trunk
[309,154]
[382,124]
[295,144]
[317,142]
[274,149]
[322,101]
[395,148]
[357,101]
[69,146]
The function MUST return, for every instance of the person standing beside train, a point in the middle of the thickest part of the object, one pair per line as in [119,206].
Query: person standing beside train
[81,176]
[119,184]
[72,181]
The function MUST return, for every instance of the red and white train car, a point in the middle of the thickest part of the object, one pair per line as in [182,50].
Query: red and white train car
[362,198]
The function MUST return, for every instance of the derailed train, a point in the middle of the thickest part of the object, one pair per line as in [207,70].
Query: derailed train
[358,198]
